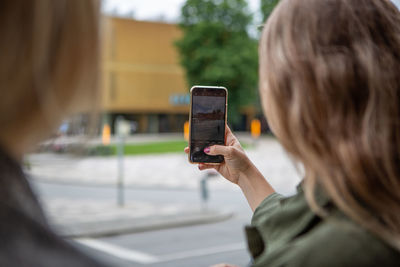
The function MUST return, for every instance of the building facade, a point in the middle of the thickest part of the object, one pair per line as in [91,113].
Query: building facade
[142,78]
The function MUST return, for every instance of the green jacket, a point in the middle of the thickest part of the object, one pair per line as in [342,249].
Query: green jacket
[285,232]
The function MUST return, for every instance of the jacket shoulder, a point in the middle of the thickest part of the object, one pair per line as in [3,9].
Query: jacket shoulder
[335,243]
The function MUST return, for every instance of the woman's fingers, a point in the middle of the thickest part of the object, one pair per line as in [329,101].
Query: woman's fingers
[228,133]
[204,166]
[228,130]
[225,151]
[230,138]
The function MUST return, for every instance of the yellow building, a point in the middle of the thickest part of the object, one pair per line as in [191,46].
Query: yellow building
[142,78]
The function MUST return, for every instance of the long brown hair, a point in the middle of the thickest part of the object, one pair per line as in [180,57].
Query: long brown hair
[49,57]
[330,84]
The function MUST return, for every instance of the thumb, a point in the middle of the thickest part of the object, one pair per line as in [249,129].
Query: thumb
[217,150]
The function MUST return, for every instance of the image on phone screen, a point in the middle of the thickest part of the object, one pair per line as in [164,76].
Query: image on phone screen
[207,123]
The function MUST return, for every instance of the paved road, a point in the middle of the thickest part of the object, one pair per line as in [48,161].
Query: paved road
[200,245]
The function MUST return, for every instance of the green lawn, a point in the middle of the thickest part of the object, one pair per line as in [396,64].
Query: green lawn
[152,148]
[144,148]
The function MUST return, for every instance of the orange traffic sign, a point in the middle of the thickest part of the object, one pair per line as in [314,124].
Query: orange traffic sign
[106,134]
[255,128]
[186,130]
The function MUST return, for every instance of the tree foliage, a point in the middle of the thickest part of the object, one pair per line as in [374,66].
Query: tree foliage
[216,49]
[266,8]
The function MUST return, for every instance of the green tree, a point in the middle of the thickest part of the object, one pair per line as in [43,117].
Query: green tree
[266,8]
[216,49]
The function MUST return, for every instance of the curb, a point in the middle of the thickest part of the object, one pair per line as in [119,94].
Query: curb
[151,223]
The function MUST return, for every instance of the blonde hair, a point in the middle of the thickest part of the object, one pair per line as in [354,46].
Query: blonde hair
[330,82]
[49,57]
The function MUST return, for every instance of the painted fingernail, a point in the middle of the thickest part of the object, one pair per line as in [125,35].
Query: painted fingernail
[207,150]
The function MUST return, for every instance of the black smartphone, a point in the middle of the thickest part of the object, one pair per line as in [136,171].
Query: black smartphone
[208,105]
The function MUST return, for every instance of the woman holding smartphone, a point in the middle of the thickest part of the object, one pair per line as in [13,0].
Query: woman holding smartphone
[330,88]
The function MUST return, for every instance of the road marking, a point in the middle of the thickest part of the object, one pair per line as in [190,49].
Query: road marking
[119,252]
[145,258]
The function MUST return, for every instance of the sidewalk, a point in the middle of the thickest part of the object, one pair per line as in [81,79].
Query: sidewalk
[162,170]
[89,218]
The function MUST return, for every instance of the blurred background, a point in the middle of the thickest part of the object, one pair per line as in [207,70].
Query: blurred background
[127,193]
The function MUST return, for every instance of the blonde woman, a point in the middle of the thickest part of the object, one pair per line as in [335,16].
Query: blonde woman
[330,87]
[48,69]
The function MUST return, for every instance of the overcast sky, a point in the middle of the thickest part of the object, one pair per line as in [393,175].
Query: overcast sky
[165,10]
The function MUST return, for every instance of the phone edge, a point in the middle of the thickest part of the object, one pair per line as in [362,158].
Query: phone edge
[190,118]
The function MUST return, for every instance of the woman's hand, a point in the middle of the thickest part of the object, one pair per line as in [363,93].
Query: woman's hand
[238,169]
[235,160]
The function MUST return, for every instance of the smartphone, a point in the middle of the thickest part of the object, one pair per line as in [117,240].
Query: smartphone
[208,105]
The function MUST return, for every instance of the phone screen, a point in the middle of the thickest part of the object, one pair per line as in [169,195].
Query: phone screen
[207,122]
